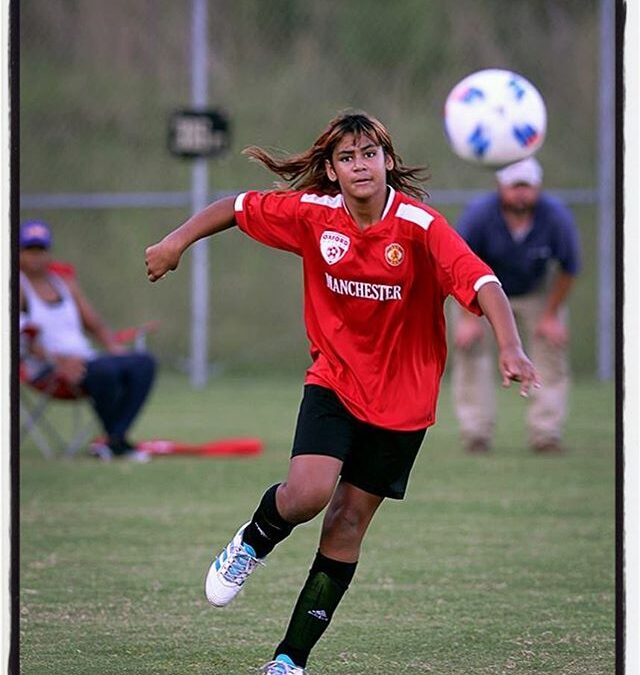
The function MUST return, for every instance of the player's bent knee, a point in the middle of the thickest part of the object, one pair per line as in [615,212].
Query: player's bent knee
[298,506]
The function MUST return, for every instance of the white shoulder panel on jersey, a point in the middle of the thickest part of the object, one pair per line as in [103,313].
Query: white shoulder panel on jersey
[237,205]
[415,215]
[324,200]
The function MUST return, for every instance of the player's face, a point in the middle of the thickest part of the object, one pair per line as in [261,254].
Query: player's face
[520,197]
[360,166]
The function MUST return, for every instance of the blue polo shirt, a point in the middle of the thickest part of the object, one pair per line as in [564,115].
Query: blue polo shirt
[522,265]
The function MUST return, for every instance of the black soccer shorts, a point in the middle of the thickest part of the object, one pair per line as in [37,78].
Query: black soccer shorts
[375,459]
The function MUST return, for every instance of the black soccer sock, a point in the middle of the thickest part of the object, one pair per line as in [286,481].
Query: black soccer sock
[267,527]
[326,584]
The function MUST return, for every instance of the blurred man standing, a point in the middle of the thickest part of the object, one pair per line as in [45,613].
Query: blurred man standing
[531,242]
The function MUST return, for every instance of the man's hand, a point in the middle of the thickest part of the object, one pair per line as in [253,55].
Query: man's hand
[553,330]
[516,367]
[161,258]
[468,331]
[70,368]
[116,348]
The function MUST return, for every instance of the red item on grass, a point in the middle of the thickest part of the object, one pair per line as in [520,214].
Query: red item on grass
[226,446]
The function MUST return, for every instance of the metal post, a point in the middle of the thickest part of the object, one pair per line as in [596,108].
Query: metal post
[606,186]
[199,189]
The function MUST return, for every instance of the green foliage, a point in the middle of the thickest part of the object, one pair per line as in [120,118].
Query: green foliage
[494,564]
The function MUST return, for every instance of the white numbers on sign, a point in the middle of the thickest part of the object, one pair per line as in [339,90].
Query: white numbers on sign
[194,134]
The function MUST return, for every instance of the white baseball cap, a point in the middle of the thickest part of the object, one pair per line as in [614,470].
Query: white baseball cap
[526,171]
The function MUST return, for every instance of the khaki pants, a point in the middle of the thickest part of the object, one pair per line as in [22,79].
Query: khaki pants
[474,379]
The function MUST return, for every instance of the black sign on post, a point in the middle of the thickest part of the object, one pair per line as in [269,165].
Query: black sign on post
[198,133]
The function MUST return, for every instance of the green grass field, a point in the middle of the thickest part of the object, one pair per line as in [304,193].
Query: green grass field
[494,564]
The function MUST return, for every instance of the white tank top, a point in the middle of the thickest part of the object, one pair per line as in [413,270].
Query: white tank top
[60,323]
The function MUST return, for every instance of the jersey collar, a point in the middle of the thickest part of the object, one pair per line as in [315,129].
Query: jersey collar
[392,196]
[387,206]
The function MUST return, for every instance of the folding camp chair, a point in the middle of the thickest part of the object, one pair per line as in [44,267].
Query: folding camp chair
[41,385]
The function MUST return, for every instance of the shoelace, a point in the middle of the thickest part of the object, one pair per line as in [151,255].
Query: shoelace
[242,563]
[277,668]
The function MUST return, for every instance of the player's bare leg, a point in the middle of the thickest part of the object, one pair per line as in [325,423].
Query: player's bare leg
[346,522]
[309,486]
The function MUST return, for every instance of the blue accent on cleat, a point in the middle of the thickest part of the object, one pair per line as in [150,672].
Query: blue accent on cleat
[250,550]
[283,658]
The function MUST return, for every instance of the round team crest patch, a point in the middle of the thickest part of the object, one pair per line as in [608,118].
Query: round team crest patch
[394,254]
[333,246]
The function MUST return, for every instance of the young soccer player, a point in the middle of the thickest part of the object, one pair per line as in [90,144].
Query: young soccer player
[378,265]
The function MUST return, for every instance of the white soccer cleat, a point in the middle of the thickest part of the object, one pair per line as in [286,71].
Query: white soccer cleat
[283,665]
[228,572]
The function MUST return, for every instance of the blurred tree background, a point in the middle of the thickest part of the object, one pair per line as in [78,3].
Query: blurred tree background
[98,81]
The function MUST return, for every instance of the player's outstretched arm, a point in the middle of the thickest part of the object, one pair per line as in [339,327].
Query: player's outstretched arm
[513,362]
[164,256]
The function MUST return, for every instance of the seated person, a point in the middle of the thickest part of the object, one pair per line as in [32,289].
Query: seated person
[118,381]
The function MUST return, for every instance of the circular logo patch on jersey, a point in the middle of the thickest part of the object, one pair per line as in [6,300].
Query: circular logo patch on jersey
[394,254]
[333,246]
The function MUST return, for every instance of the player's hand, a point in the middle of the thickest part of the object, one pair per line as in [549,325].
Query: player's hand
[161,258]
[553,330]
[516,367]
[468,331]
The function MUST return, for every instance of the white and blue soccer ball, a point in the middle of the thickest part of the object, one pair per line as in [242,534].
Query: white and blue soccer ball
[495,117]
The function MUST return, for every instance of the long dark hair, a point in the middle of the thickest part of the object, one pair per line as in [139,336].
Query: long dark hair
[306,170]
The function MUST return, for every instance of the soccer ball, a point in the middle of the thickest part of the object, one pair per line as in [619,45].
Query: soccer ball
[495,117]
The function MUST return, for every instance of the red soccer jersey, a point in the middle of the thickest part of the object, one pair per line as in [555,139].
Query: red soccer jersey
[373,298]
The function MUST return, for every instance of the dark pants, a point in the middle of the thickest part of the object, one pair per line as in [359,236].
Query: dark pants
[119,385]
